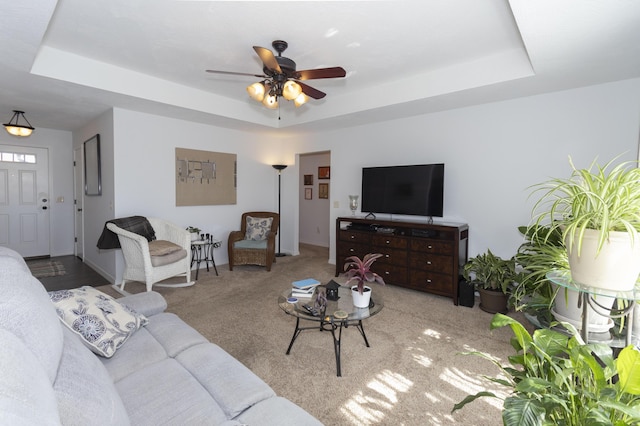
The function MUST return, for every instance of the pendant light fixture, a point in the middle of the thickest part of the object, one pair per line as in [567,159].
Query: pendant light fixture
[17,129]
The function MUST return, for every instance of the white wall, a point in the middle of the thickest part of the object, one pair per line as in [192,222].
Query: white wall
[98,209]
[59,146]
[144,182]
[492,153]
[314,213]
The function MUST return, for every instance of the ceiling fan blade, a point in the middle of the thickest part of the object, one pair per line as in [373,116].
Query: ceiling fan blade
[334,72]
[236,73]
[268,59]
[311,92]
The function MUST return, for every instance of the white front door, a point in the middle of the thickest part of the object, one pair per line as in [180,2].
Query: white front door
[78,182]
[24,200]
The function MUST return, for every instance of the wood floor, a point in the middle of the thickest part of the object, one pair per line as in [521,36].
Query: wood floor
[77,274]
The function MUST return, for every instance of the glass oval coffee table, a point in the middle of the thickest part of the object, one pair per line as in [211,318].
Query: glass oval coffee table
[337,315]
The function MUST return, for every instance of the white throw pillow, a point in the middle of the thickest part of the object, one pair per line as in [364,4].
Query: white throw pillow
[102,323]
[258,228]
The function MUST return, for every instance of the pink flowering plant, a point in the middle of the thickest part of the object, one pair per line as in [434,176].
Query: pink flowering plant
[359,271]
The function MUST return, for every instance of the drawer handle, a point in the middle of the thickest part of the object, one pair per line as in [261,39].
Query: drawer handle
[353,237]
[428,262]
[386,272]
[386,255]
[351,250]
[428,281]
[388,242]
[429,247]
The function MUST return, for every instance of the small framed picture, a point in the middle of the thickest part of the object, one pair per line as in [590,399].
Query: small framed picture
[323,190]
[308,179]
[308,193]
[324,172]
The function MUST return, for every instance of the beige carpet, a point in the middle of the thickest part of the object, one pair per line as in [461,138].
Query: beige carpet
[411,375]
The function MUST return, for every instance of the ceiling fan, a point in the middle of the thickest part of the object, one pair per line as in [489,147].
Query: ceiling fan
[281,79]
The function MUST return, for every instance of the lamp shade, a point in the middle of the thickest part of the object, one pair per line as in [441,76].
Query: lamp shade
[291,90]
[256,91]
[270,101]
[301,99]
[17,129]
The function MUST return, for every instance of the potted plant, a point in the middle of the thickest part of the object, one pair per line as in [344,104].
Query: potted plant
[195,232]
[556,379]
[491,276]
[358,272]
[597,210]
[541,300]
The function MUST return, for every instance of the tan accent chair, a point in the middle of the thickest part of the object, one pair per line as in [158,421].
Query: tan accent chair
[243,251]
[151,262]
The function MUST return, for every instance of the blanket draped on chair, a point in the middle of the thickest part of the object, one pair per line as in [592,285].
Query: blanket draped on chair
[136,224]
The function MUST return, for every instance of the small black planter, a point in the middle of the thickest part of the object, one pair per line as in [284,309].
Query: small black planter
[466,293]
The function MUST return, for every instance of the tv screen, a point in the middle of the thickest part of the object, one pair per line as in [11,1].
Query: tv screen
[410,190]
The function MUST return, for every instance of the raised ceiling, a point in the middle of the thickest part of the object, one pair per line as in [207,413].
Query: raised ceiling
[67,62]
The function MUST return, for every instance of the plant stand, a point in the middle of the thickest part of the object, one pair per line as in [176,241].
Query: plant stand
[587,301]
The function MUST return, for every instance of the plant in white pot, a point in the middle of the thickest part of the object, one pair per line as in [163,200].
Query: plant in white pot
[358,272]
[598,212]
[195,232]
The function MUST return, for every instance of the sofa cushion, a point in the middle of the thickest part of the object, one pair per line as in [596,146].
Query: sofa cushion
[26,396]
[250,244]
[168,258]
[85,392]
[25,311]
[162,247]
[103,324]
[258,228]
[277,411]
[233,386]
[165,393]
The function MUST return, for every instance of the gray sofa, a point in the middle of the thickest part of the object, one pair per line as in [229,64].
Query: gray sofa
[165,373]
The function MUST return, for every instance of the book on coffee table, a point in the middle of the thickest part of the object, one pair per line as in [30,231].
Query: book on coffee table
[305,284]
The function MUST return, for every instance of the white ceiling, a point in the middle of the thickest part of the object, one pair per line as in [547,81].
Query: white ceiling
[67,62]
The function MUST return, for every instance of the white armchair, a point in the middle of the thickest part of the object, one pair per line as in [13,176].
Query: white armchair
[162,261]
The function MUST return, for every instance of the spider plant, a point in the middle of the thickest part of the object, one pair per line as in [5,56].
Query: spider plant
[603,198]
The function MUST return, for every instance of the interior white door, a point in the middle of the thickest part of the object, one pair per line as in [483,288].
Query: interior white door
[78,185]
[24,200]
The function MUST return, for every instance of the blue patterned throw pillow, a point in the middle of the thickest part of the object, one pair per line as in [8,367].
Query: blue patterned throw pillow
[102,323]
[258,228]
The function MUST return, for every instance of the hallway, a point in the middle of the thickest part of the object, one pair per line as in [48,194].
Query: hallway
[77,274]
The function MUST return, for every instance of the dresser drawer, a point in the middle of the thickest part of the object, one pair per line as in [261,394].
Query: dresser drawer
[391,241]
[431,282]
[391,274]
[345,250]
[355,236]
[431,262]
[432,246]
[391,256]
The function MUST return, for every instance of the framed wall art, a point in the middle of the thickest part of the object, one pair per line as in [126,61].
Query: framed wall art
[324,172]
[308,179]
[92,167]
[308,193]
[323,190]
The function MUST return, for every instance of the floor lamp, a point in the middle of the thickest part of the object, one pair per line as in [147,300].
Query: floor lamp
[279,168]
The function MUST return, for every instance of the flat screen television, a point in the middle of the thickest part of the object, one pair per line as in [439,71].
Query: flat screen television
[416,190]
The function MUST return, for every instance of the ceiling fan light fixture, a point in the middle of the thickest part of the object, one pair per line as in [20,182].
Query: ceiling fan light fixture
[270,101]
[300,100]
[17,129]
[291,90]
[256,91]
